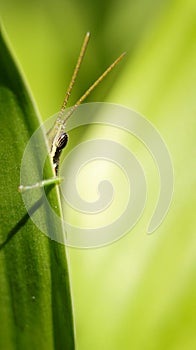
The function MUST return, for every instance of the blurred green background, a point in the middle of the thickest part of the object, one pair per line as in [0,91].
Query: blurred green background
[140,292]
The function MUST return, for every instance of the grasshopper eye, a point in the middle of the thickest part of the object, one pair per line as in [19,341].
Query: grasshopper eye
[62,141]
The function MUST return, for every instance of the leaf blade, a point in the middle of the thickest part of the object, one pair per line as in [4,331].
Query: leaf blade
[35,301]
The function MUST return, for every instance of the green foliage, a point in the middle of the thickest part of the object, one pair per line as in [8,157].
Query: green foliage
[138,293]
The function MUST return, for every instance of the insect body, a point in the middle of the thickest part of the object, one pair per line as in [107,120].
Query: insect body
[61,143]
[57,136]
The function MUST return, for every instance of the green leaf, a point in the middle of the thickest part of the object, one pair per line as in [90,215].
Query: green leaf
[35,301]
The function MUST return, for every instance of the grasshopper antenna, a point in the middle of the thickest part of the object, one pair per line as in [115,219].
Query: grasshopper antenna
[75,73]
[92,87]
[53,133]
